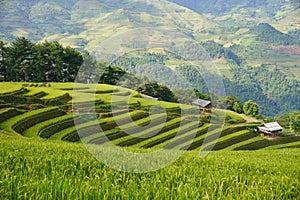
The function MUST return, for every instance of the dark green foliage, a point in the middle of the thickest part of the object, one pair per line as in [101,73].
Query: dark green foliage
[290,121]
[251,108]
[3,60]
[159,91]
[216,51]
[88,72]
[111,75]
[19,60]
[42,62]
[268,86]
[266,33]
[295,123]
[193,76]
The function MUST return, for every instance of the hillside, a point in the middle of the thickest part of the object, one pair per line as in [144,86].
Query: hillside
[68,112]
[57,146]
[234,34]
[97,99]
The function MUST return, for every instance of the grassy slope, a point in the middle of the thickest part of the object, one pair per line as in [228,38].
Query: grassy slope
[43,169]
[57,169]
[60,125]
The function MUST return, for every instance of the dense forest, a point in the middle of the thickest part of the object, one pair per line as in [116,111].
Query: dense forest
[271,88]
[266,33]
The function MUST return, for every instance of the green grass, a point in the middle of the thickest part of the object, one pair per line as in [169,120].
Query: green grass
[183,129]
[50,93]
[42,169]
[9,87]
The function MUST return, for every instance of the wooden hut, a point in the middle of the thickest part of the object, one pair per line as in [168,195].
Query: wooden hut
[272,128]
[202,104]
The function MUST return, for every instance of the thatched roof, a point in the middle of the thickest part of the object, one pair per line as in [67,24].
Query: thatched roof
[201,103]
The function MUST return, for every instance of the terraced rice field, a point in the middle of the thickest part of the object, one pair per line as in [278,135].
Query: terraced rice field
[136,129]
[43,157]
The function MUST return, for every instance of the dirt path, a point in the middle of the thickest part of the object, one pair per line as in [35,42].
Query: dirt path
[247,118]
[5,133]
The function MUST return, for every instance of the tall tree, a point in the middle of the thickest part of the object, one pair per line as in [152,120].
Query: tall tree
[88,71]
[19,51]
[3,60]
[112,75]
[72,60]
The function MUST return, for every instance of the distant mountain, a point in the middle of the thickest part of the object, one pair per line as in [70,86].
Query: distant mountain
[235,34]
[243,11]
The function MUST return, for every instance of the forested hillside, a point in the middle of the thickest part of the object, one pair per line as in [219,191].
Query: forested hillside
[253,44]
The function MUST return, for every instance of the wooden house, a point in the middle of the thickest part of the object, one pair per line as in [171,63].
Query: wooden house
[271,128]
[202,104]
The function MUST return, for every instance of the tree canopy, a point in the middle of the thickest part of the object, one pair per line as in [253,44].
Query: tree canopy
[41,62]
[159,91]
[250,108]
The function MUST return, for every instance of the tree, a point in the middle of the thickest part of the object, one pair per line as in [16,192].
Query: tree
[237,107]
[250,108]
[294,119]
[111,75]
[20,50]
[159,91]
[72,60]
[3,60]
[295,123]
[87,72]
[284,120]
[233,103]
[199,95]
[53,62]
